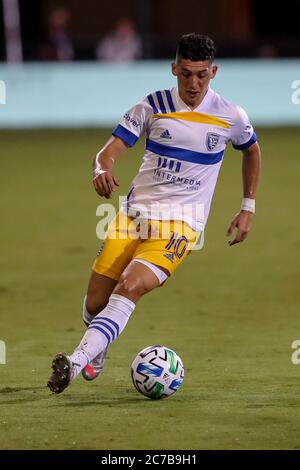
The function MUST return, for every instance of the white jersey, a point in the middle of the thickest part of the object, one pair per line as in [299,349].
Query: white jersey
[183,153]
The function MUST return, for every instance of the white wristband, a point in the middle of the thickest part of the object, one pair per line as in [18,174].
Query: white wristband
[98,172]
[248,204]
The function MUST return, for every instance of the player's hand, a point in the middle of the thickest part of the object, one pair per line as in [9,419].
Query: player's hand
[105,184]
[242,222]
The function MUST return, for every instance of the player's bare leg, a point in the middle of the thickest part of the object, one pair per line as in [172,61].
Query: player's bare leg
[136,281]
[99,290]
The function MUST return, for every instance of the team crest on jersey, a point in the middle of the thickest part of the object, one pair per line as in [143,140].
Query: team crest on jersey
[212,140]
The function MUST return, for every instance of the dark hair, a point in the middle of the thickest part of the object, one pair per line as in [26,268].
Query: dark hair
[196,46]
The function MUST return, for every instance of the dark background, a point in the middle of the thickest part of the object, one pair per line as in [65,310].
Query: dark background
[241,28]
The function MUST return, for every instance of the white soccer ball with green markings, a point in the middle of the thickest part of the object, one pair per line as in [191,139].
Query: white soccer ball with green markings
[157,372]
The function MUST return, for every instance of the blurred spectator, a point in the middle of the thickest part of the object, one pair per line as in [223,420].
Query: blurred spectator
[122,45]
[267,51]
[58,44]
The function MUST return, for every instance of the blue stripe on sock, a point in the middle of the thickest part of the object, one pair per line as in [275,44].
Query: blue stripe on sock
[102,331]
[113,323]
[109,328]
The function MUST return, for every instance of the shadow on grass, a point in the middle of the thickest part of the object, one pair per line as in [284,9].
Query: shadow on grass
[99,402]
[20,389]
[16,395]
[19,395]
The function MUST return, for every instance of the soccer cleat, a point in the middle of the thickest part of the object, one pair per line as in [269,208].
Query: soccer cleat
[61,376]
[95,367]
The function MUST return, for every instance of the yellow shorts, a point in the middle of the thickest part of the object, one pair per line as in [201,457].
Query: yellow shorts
[163,243]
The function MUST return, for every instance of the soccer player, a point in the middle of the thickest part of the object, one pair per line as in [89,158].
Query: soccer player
[187,129]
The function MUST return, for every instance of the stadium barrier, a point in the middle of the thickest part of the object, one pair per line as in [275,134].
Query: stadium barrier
[97,94]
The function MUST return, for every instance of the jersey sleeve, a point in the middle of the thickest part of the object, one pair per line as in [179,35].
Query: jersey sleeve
[242,135]
[134,123]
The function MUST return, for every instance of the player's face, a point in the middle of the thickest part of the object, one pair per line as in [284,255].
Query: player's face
[193,78]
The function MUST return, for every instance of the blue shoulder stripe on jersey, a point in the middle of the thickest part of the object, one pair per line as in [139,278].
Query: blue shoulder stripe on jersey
[128,137]
[170,101]
[184,154]
[161,102]
[151,101]
[248,144]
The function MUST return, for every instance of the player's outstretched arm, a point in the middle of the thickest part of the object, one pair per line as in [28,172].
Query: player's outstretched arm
[251,170]
[103,179]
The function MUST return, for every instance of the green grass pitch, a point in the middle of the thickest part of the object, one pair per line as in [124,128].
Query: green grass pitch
[230,313]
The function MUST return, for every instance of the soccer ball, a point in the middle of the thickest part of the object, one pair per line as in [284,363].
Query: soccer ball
[157,372]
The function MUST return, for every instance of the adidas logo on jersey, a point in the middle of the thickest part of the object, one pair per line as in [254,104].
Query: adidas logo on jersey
[166,134]
[169,256]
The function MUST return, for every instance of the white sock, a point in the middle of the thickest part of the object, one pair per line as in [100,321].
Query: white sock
[103,329]
[86,316]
